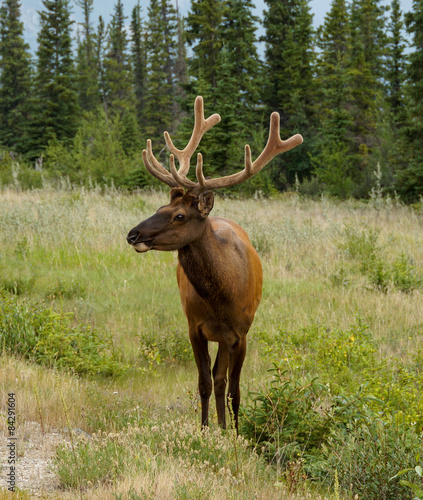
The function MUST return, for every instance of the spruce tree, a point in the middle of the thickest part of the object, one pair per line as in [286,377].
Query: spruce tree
[181,65]
[395,63]
[161,45]
[368,50]
[99,51]
[117,69]
[203,35]
[87,77]
[288,81]
[409,179]
[332,160]
[394,110]
[56,101]
[239,41]
[139,63]
[15,79]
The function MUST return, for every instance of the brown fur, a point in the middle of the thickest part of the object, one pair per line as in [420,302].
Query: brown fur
[220,282]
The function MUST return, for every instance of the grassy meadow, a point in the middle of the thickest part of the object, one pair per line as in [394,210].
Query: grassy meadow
[334,363]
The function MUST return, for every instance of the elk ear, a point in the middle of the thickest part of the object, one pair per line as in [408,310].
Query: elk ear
[176,193]
[205,203]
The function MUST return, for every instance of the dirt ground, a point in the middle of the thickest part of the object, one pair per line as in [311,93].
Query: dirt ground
[35,449]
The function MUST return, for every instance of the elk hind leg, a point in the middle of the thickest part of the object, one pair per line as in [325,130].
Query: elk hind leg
[220,370]
[236,360]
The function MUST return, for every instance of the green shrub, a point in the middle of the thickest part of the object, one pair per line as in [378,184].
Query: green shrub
[367,454]
[379,276]
[404,275]
[39,334]
[334,355]
[347,359]
[417,489]
[331,437]
[361,245]
[294,417]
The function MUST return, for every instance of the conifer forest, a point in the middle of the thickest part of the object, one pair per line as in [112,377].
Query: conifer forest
[82,109]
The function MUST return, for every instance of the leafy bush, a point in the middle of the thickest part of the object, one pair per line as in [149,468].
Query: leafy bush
[332,355]
[347,359]
[294,417]
[404,275]
[415,488]
[49,338]
[98,155]
[340,277]
[379,276]
[367,454]
[331,437]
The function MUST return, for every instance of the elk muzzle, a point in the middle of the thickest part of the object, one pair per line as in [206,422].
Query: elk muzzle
[139,243]
[141,237]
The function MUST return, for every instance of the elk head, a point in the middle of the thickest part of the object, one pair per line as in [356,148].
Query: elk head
[181,222]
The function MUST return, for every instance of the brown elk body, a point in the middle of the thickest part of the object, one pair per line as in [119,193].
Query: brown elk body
[219,272]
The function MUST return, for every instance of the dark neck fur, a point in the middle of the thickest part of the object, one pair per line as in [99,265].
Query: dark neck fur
[200,261]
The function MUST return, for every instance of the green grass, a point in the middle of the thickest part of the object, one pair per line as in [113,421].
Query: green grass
[332,271]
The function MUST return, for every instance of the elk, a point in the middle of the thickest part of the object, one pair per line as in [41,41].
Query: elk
[219,272]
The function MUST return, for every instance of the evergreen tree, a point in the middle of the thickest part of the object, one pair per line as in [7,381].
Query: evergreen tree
[181,67]
[368,51]
[288,81]
[139,64]
[239,40]
[87,77]
[161,44]
[203,35]
[236,94]
[15,79]
[395,64]
[56,100]
[99,50]
[394,110]
[117,69]
[332,161]
[409,180]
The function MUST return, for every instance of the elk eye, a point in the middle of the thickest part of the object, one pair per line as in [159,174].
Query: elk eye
[180,217]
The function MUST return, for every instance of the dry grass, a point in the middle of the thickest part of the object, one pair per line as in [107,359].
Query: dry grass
[79,237]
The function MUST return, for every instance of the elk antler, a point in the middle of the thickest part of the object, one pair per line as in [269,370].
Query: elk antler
[177,178]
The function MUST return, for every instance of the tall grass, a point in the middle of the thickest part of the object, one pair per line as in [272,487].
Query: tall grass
[325,265]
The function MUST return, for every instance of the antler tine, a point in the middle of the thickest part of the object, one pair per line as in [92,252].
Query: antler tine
[156,168]
[201,126]
[274,146]
[180,179]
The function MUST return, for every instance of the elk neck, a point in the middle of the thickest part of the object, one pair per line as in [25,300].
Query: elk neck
[205,264]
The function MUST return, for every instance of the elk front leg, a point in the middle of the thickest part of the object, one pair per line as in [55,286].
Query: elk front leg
[220,370]
[236,359]
[202,358]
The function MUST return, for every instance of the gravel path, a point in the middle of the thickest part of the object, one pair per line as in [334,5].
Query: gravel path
[35,450]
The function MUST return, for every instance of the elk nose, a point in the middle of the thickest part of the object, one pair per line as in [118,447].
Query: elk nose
[132,237]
